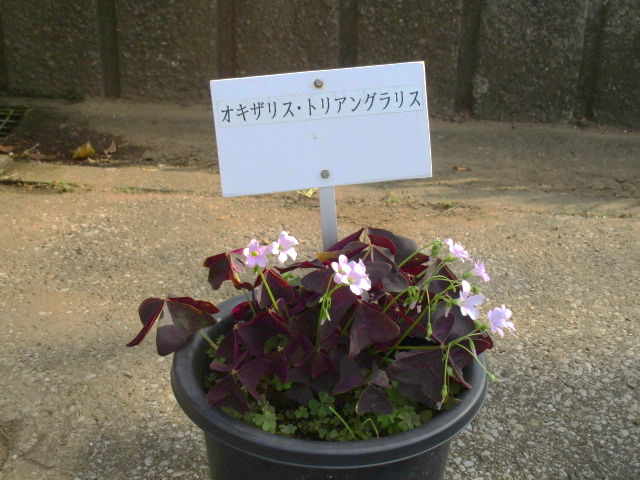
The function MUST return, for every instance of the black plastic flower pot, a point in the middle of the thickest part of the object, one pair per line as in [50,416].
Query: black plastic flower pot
[237,451]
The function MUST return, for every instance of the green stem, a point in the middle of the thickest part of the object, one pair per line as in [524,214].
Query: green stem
[347,325]
[373,425]
[435,272]
[475,356]
[318,330]
[323,310]
[445,381]
[250,302]
[266,285]
[395,346]
[418,347]
[394,300]
[414,254]
[208,339]
[402,337]
[346,425]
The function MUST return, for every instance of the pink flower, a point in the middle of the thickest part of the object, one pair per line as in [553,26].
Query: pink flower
[468,303]
[499,319]
[352,274]
[479,271]
[284,247]
[256,255]
[457,250]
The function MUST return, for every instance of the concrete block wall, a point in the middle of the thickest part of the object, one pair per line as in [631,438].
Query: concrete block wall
[529,56]
[51,48]
[533,60]
[167,50]
[618,71]
[403,31]
[275,36]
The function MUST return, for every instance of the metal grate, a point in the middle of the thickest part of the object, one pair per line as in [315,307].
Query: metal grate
[9,118]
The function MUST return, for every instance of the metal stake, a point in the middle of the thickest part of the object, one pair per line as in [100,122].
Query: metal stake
[328,217]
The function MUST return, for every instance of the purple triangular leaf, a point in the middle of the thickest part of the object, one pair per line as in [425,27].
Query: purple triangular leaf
[206,307]
[342,302]
[250,375]
[459,357]
[280,288]
[395,281]
[378,377]
[321,363]
[170,338]
[226,392]
[378,254]
[406,322]
[220,367]
[149,311]
[450,327]
[346,240]
[254,333]
[350,250]
[404,247]
[416,264]
[298,351]
[242,311]
[228,348]
[421,371]
[482,343]
[376,272]
[305,264]
[304,323]
[317,280]
[300,394]
[190,314]
[181,318]
[373,401]
[278,364]
[370,326]
[350,376]
[226,266]
[380,241]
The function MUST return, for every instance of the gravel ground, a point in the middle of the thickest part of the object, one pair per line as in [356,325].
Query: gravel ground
[561,243]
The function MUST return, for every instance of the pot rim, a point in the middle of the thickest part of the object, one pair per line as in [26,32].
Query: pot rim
[191,396]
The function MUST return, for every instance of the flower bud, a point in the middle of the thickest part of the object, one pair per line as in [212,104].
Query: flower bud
[444,392]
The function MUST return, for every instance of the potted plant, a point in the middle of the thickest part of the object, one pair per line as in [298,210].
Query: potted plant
[361,363]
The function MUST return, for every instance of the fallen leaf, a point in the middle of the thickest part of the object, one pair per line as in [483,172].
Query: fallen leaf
[36,156]
[84,151]
[7,148]
[462,169]
[111,149]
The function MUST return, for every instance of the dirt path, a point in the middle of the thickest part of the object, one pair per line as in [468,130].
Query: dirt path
[553,211]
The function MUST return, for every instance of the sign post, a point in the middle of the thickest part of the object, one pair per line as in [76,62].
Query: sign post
[321,129]
[328,217]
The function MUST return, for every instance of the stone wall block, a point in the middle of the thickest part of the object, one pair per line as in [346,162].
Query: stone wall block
[51,48]
[167,49]
[278,36]
[618,77]
[529,57]
[391,31]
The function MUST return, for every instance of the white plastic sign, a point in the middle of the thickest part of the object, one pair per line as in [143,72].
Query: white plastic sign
[321,128]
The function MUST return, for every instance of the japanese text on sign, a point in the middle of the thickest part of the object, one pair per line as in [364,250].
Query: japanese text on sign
[251,111]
